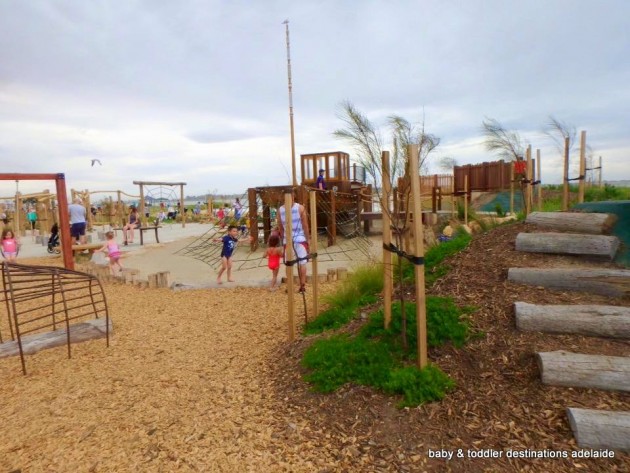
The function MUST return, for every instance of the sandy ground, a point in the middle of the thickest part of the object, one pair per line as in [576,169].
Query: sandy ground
[249,269]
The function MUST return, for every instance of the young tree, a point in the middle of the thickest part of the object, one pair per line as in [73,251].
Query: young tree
[368,144]
[506,143]
[447,163]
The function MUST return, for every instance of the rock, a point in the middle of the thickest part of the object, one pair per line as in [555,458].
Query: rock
[448,231]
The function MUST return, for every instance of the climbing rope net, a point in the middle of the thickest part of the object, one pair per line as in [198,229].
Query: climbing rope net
[345,241]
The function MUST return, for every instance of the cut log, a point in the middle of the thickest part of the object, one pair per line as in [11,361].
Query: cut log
[600,429]
[563,368]
[607,282]
[578,222]
[568,244]
[34,343]
[591,320]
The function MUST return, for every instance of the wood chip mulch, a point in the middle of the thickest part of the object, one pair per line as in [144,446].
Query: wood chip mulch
[204,380]
[499,404]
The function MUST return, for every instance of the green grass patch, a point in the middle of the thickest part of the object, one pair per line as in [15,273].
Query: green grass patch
[375,357]
[433,259]
[362,288]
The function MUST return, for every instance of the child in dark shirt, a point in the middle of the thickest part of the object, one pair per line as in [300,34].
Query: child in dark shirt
[229,245]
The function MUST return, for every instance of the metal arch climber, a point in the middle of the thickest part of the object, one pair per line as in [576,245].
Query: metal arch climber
[161,193]
[142,185]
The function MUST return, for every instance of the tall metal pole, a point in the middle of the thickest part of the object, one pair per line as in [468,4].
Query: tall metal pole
[286,23]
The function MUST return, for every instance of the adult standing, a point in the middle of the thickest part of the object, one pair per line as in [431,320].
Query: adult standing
[77,221]
[238,208]
[320,184]
[300,234]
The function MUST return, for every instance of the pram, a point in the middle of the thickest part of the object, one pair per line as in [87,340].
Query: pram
[53,240]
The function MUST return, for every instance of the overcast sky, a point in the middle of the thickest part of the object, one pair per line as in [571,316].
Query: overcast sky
[196,91]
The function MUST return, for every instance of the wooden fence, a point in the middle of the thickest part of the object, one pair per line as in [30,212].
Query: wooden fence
[485,177]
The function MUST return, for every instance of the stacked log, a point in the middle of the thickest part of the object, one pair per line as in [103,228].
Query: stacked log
[577,222]
[607,282]
[589,320]
[568,244]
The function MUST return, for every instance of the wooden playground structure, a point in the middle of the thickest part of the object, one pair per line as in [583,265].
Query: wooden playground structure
[346,196]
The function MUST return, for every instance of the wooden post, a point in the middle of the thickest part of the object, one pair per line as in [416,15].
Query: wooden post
[512,187]
[418,252]
[333,211]
[465,200]
[288,234]
[600,172]
[565,186]
[142,218]
[16,215]
[44,229]
[539,179]
[88,210]
[582,176]
[388,284]
[313,249]
[528,179]
[64,219]
[181,199]
[253,218]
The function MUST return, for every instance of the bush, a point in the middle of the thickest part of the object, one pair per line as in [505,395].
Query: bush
[433,258]
[375,356]
[361,288]
[444,324]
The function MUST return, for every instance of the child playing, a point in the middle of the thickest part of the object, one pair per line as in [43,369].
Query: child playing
[9,246]
[221,217]
[113,252]
[274,252]
[229,245]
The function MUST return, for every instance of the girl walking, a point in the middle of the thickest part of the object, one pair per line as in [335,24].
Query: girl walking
[274,253]
[113,252]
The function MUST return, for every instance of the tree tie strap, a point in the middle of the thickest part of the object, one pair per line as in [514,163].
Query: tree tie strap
[417,260]
[579,178]
[297,260]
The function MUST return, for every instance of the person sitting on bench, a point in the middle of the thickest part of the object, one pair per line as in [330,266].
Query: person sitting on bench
[132,223]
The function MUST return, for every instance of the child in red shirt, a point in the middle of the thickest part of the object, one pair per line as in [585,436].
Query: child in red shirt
[274,252]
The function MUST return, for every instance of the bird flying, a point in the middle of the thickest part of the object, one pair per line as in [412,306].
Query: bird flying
[94,161]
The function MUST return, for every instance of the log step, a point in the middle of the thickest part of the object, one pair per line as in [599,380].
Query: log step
[607,282]
[577,222]
[568,244]
[600,429]
[563,368]
[590,320]
[81,332]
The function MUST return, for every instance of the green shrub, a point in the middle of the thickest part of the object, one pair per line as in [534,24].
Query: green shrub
[608,192]
[341,359]
[444,324]
[375,357]
[362,287]
[419,386]
[498,208]
[330,319]
[433,258]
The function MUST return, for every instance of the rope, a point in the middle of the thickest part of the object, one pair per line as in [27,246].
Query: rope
[417,260]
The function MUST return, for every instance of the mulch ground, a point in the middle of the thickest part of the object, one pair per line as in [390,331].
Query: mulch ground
[204,380]
[499,404]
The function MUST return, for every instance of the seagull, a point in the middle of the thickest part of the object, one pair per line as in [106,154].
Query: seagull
[94,161]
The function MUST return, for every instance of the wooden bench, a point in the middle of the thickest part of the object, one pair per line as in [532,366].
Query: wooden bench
[142,230]
[77,251]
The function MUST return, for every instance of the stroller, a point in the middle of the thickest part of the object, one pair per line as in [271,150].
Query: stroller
[53,240]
